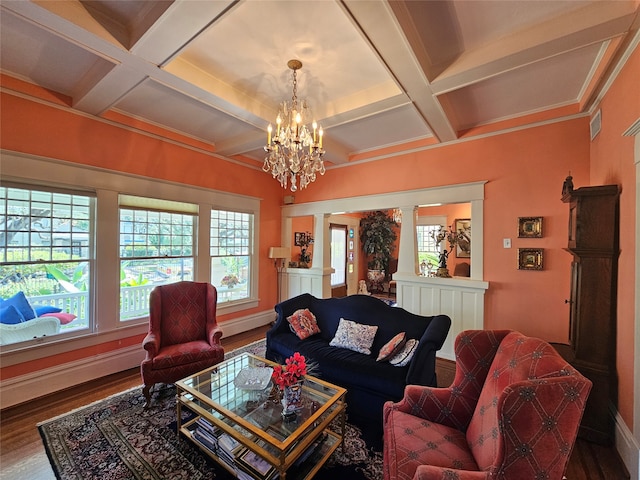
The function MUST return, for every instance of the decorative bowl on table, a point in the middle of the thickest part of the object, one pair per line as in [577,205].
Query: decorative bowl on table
[253,378]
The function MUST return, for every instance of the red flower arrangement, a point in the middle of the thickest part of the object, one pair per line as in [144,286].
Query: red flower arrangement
[291,373]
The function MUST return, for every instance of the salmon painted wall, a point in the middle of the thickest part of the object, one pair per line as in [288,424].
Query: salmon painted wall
[612,162]
[44,130]
[524,170]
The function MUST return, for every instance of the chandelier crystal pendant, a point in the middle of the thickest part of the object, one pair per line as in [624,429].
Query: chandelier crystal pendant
[294,150]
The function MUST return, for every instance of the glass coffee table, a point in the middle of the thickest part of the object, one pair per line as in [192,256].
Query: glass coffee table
[239,425]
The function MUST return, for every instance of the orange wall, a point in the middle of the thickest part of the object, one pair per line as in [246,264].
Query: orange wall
[41,129]
[612,162]
[525,170]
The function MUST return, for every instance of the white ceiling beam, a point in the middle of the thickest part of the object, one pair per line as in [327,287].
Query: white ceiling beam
[160,42]
[177,26]
[596,22]
[71,21]
[386,34]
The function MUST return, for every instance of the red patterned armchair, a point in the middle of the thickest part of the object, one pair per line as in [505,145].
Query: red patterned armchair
[183,337]
[512,412]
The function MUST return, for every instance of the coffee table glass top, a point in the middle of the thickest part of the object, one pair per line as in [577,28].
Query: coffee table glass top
[250,409]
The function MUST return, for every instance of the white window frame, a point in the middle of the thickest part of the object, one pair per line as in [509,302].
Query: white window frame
[151,206]
[70,302]
[250,249]
[107,186]
[429,220]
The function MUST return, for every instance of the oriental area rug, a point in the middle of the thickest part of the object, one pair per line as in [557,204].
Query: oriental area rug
[117,439]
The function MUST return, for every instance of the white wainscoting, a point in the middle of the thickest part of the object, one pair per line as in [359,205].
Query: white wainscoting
[461,299]
[296,281]
[32,385]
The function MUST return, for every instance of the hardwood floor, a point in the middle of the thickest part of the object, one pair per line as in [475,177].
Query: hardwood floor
[22,454]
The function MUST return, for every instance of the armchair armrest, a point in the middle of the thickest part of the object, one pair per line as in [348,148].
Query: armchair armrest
[214,335]
[446,406]
[151,344]
[423,364]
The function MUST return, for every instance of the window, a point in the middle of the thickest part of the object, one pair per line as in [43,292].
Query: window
[156,248]
[46,253]
[231,252]
[428,251]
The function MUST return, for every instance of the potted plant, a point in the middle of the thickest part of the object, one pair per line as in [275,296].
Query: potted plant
[377,236]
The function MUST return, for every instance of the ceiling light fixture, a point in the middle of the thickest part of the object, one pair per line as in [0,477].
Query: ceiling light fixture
[294,151]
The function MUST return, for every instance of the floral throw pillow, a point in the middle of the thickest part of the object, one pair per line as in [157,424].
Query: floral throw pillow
[392,347]
[404,356]
[354,336]
[303,323]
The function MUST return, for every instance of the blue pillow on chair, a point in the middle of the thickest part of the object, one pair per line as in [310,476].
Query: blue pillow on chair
[43,309]
[22,305]
[9,315]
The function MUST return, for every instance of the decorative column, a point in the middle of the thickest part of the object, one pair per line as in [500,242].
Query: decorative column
[321,261]
[408,251]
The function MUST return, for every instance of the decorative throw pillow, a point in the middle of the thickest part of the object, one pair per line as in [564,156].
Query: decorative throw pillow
[354,336]
[9,315]
[303,323]
[62,316]
[392,347]
[22,305]
[404,356]
[42,309]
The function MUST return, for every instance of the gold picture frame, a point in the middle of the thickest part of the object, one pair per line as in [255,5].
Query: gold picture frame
[530,258]
[529,227]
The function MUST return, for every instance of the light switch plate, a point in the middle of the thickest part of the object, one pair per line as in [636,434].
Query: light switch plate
[506,242]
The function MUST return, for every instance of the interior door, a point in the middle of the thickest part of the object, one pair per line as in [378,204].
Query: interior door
[338,260]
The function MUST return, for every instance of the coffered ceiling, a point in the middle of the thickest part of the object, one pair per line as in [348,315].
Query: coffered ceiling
[376,73]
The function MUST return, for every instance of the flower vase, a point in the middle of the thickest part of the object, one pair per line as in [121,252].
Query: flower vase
[292,399]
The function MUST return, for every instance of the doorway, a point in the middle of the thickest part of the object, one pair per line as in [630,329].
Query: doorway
[338,260]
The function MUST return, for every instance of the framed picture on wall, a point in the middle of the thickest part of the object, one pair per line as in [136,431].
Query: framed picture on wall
[463,230]
[529,227]
[299,239]
[530,258]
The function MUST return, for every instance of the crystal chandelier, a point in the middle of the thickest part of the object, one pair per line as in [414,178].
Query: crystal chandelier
[294,151]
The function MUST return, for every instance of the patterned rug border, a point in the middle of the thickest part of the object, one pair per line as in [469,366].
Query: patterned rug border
[357,461]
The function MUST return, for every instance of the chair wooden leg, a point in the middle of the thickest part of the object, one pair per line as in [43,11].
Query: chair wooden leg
[146,391]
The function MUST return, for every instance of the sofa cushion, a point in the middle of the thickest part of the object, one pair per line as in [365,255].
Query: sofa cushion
[64,317]
[342,366]
[9,315]
[392,347]
[43,309]
[404,356]
[354,336]
[183,354]
[303,323]
[22,305]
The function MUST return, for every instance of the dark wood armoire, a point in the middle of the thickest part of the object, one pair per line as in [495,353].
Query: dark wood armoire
[594,244]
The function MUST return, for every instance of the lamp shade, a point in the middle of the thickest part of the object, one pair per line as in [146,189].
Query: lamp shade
[278,252]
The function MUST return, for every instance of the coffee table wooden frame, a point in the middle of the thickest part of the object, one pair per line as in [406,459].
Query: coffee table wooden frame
[332,406]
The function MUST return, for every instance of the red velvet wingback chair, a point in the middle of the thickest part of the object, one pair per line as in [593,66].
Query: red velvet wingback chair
[512,412]
[183,337]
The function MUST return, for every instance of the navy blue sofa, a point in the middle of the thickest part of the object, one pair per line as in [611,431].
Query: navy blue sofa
[369,383]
